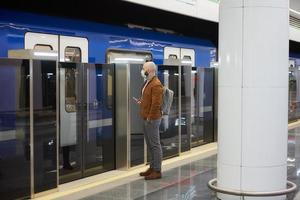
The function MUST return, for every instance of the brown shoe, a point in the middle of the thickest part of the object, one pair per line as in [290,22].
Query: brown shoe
[153,175]
[147,172]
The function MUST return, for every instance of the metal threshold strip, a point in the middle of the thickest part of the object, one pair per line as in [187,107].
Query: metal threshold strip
[292,187]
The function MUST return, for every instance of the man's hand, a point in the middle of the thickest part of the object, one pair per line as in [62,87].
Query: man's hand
[136,100]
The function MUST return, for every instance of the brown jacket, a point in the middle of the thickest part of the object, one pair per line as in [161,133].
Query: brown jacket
[151,100]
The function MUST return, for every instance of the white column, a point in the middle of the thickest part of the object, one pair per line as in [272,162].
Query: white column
[253,95]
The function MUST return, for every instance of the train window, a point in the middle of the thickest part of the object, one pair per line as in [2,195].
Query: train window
[187,58]
[70,88]
[173,56]
[43,47]
[73,54]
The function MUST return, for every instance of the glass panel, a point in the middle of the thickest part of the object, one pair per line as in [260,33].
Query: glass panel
[43,47]
[73,54]
[44,125]
[187,58]
[294,93]
[173,56]
[202,105]
[169,132]
[186,108]
[70,122]
[87,130]
[136,123]
[208,108]
[14,129]
[197,104]
[99,155]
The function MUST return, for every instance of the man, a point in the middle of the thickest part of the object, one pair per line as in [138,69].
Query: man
[150,110]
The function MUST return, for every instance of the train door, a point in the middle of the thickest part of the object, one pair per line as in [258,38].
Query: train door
[41,41]
[71,52]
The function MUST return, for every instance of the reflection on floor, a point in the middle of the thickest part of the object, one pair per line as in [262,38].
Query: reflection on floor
[185,182]
[189,181]
[294,159]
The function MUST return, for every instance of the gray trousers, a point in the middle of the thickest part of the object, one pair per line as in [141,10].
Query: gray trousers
[151,130]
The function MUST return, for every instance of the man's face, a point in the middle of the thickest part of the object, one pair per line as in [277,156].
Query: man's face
[146,68]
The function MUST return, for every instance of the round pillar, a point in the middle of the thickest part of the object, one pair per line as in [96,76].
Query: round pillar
[253,95]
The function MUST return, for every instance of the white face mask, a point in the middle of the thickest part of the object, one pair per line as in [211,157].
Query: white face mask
[144,74]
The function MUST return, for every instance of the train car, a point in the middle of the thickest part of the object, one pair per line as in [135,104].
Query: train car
[98,43]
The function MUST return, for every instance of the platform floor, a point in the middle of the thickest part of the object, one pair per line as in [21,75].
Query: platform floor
[189,181]
[184,182]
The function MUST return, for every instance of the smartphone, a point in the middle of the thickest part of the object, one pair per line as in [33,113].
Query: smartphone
[135,99]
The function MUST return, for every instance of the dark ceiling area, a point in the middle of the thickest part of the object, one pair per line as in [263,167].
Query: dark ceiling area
[119,13]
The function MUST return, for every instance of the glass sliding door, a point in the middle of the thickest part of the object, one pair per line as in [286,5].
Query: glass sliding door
[197,103]
[87,140]
[44,125]
[137,145]
[202,106]
[70,153]
[98,130]
[208,109]
[294,92]
[169,128]
[14,129]
[186,94]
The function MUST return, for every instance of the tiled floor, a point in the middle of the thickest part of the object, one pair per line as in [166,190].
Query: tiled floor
[185,182]
[294,159]
[189,181]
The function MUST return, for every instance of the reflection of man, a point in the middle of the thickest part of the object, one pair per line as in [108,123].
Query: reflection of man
[150,110]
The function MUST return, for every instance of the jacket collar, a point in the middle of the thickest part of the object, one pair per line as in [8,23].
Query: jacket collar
[151,79]
[148,82]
